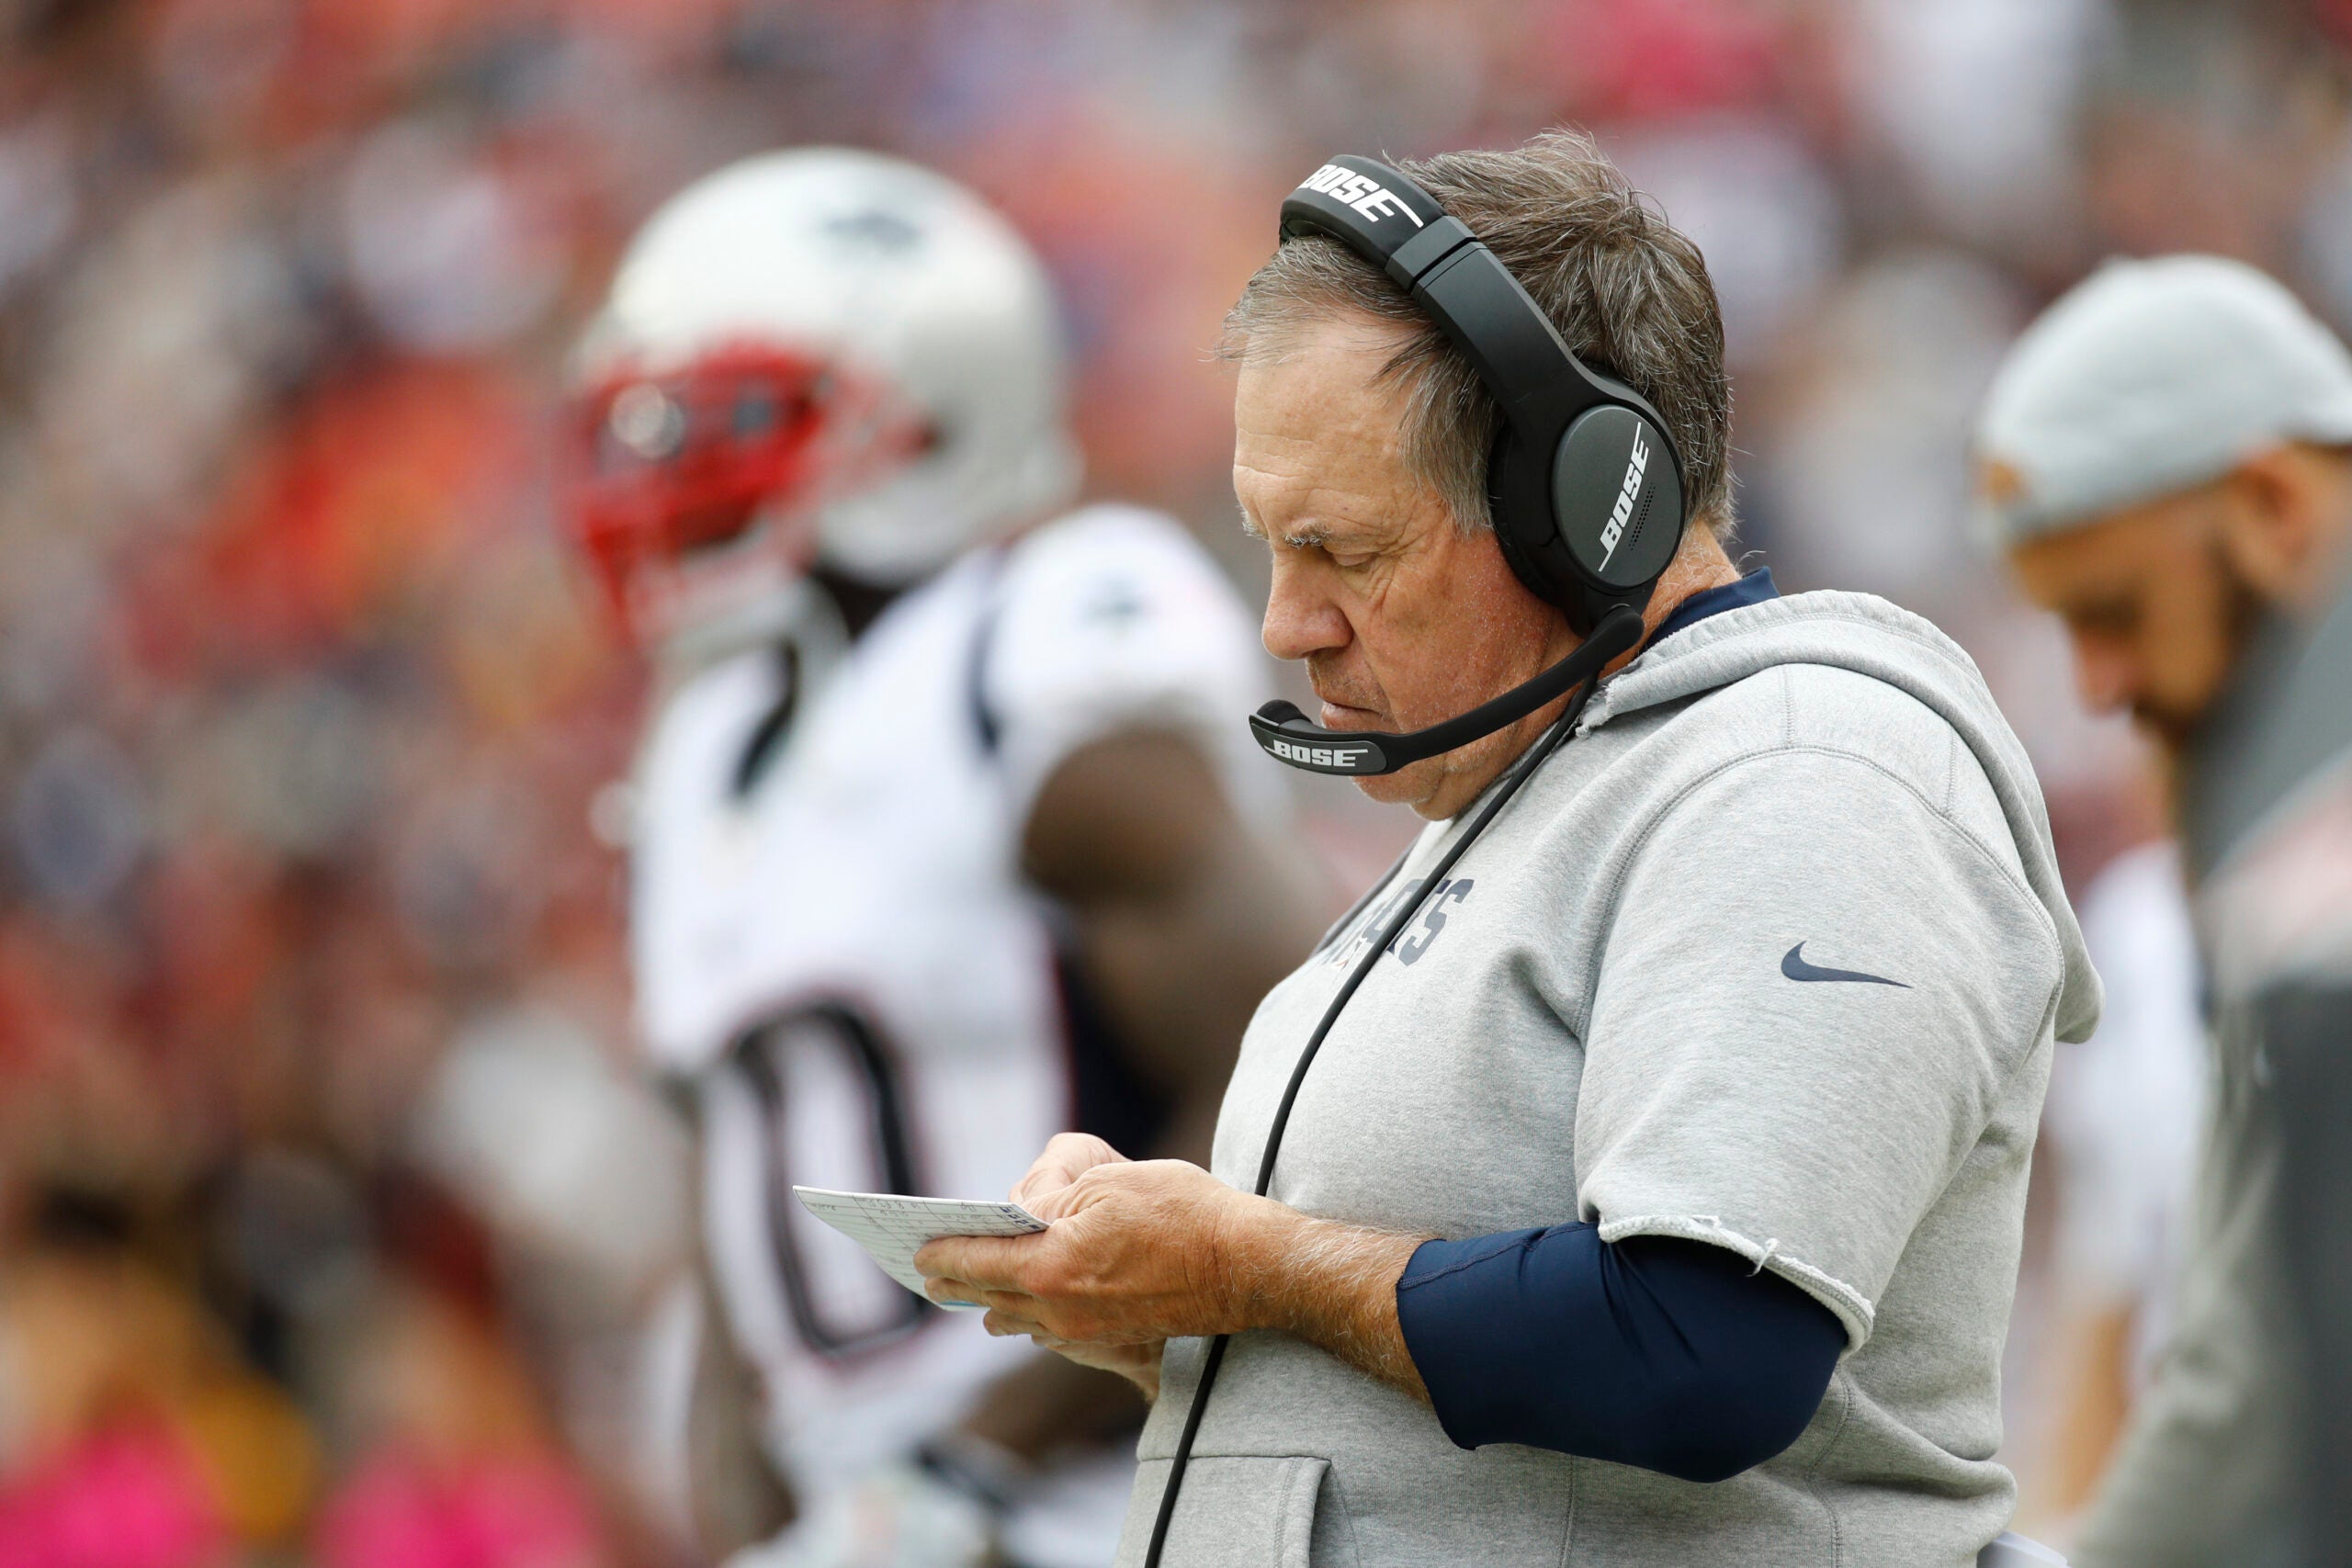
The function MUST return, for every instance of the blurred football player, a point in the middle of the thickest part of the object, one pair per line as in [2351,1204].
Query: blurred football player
[945,832]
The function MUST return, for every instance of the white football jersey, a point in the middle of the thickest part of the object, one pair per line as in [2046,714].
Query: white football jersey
[839,952]
[2126,1107]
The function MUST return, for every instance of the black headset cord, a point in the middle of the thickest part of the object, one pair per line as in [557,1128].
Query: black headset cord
[1544,748]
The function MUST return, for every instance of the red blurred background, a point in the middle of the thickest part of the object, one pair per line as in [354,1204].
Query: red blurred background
[332,1208]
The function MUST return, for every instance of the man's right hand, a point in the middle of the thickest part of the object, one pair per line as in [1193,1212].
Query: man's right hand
[1068,1157]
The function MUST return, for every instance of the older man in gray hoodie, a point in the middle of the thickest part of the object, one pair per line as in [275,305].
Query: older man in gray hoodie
[1655,1195]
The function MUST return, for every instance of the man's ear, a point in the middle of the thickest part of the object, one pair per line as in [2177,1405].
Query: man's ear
[2283,515]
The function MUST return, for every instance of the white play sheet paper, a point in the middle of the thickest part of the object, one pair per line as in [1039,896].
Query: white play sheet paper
[893,1227]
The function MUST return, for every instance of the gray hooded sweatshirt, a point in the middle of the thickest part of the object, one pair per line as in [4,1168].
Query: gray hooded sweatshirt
[1623,1007]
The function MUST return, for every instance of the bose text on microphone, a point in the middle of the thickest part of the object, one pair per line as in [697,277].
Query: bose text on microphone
[1289,736]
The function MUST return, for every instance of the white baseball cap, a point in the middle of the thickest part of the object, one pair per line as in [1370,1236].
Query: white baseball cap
[2151,377]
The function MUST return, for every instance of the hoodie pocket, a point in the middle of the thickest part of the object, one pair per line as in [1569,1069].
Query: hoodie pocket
[1238,1513]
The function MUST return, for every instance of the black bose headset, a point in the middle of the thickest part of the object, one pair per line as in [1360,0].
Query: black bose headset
[1584,483]
[1586,492]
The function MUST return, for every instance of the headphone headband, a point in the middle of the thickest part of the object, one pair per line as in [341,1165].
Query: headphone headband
[1381,215]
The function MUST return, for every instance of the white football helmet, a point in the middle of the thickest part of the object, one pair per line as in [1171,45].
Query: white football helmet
[817,354]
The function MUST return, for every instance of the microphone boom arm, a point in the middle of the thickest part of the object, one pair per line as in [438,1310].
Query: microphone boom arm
[1289,736]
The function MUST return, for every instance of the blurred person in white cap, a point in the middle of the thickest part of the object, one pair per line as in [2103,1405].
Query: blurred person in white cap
[2168,462]
[942,837]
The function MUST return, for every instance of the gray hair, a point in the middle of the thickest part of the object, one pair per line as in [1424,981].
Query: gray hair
[1628,291]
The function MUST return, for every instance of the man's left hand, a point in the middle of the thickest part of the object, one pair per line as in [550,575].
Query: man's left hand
[1137,1252]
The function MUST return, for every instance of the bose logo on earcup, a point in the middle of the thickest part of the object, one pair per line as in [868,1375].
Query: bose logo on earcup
[1631,487]
[1362,192]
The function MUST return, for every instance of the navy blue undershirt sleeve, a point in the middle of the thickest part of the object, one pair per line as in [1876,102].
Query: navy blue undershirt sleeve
[1752,588]
[1675,1355]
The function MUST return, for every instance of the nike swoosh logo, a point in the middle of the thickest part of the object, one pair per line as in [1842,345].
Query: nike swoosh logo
[1796,968]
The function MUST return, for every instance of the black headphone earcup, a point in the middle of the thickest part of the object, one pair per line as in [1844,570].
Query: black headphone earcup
[1519,502]
[1504,507]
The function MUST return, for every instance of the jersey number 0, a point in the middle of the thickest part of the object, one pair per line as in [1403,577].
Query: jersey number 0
[833,1049]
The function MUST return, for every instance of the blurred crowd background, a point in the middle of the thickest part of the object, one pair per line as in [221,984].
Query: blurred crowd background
[331,1206]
